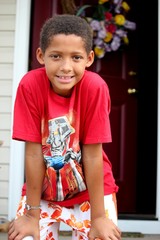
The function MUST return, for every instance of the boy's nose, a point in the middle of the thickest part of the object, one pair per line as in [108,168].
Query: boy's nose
[66,66]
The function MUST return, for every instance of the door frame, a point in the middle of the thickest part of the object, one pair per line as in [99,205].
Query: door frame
[23,10]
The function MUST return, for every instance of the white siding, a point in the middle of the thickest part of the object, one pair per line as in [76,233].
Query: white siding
[7,33]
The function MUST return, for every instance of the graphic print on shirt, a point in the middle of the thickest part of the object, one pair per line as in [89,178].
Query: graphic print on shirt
[64,176]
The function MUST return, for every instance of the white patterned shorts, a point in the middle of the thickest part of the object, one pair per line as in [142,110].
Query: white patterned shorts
[76,217]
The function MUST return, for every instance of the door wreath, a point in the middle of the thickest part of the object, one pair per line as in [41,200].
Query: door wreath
[108,20]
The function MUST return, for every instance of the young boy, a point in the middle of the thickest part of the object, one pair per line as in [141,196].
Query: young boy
[62,113]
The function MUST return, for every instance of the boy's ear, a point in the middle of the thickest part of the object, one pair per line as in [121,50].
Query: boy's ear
[39,55]
[90,59]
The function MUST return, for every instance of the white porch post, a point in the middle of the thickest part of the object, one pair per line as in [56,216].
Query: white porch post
[22,29]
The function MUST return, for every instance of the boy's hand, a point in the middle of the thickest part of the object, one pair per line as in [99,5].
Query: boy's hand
[104,229]
[23,226]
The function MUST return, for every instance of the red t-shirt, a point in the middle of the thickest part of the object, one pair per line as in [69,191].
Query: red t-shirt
[62,125]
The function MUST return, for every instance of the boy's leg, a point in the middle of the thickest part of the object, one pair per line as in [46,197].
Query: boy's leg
[76,235]
[110,203]
[78,217]
[50,230]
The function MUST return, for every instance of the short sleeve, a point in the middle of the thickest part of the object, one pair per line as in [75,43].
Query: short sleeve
[27,120]
[96,127]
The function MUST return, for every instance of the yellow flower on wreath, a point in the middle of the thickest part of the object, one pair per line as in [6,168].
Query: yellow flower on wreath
[126,40]
[102,1]
[99,52]
[125,6]
[108,37]
[119,19]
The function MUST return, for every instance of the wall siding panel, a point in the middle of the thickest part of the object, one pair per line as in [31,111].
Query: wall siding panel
[5,137]
[7,39]
[3,206]
[7,34]
[5,88]
[6,71]
[4,155]
[5,104]
[7,7]
[7,22]
[4,189]
[4,170]
[5,121]
[6,55]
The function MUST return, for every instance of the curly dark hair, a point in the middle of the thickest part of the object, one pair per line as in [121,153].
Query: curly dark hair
[66,24]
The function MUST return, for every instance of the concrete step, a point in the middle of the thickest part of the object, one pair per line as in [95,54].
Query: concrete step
[131,236]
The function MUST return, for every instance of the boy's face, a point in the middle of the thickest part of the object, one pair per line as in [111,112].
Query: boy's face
[65,60]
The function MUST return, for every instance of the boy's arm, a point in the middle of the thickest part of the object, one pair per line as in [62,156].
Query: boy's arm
[28,224]
[35,171]
[101,227]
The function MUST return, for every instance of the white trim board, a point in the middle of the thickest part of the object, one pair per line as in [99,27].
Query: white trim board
[145,226]
[21,47]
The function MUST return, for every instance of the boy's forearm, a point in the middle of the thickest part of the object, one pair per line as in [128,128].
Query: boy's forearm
[93,167]
[35,171]
[96,191]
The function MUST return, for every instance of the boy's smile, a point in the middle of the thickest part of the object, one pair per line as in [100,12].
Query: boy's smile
[65,79]
[65,61]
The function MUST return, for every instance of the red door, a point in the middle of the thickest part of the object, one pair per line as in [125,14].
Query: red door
[123,150]
[125,73]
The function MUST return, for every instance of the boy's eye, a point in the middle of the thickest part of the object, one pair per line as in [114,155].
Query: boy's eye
[77,57]
[55,56]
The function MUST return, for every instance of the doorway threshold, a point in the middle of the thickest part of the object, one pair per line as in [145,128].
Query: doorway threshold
[137,217]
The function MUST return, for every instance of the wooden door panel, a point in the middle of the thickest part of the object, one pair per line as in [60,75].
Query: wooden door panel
[122,152]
